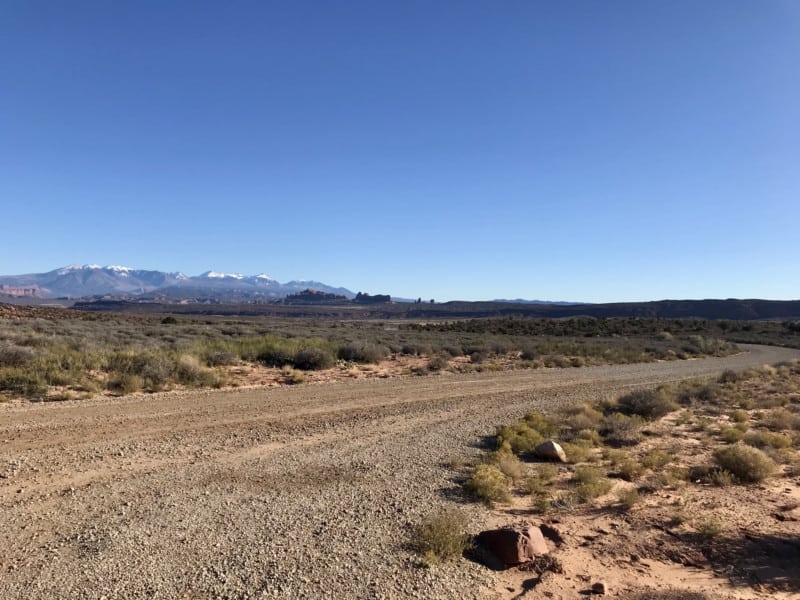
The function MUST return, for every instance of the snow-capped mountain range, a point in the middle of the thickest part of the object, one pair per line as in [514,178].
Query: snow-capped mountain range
[81,281]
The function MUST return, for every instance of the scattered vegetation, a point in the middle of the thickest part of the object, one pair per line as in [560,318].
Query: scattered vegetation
[747,464]
[605,441]
[488,483]
[46,352]
[442,536]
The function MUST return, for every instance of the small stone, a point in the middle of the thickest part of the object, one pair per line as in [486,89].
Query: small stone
[599,588]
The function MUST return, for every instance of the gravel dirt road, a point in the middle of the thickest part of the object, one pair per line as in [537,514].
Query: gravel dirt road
[302,492]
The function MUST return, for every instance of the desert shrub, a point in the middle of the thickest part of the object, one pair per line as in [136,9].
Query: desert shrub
[536,485]
[747,464]
[488,483]
[556,360]
[505,460]
[729,376]
[541,423]
[648,404]
[221,358]
[630,470]
[739,416]
[709,527]
[577,452]
[437,363]
[188,369]
[722,478]
[22,382]
[590,436]
[591,483]
[622,430]
[656,459]
[292,376]
[546,471]
[519,436]
[780,419]
[313,359]
[582,417]
[629,497]
[541,502]
[442,536]
[701,393]
[125,383]
[274,355]
[15,356]
[362,352]
[731,435]
[477,357]
[529,353]
[169,321]
[156,369]
[767,439]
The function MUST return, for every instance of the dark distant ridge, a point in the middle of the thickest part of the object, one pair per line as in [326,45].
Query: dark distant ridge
[665,309]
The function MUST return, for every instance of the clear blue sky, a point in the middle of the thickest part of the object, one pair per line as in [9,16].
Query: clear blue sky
[578,150]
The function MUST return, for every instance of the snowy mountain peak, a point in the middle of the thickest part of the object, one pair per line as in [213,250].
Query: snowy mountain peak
[119,268]
[68,268]
[264,276]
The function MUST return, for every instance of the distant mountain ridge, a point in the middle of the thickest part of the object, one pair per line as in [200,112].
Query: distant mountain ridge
[85,281]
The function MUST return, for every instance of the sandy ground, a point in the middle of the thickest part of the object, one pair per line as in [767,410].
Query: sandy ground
[306,491]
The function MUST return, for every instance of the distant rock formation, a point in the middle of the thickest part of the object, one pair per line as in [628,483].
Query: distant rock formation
[20,291]
[362,298]
[312,296]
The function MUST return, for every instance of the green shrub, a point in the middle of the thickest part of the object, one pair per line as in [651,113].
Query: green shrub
[622,430]
[766,439]
[731,435]
[630,470]
[780,419]
[722,478]
[362,352]
[438,363]
[15,356]
[546,471]
[739,416]
[22,382]
[709,527]
[520,437]
[541,423]
[442,536]
[488,483]
[505,460]
[656,459]
[313,359]
[648,404]
[591,483]
[729,376]
[222,358]
[747,464]
[577,452]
